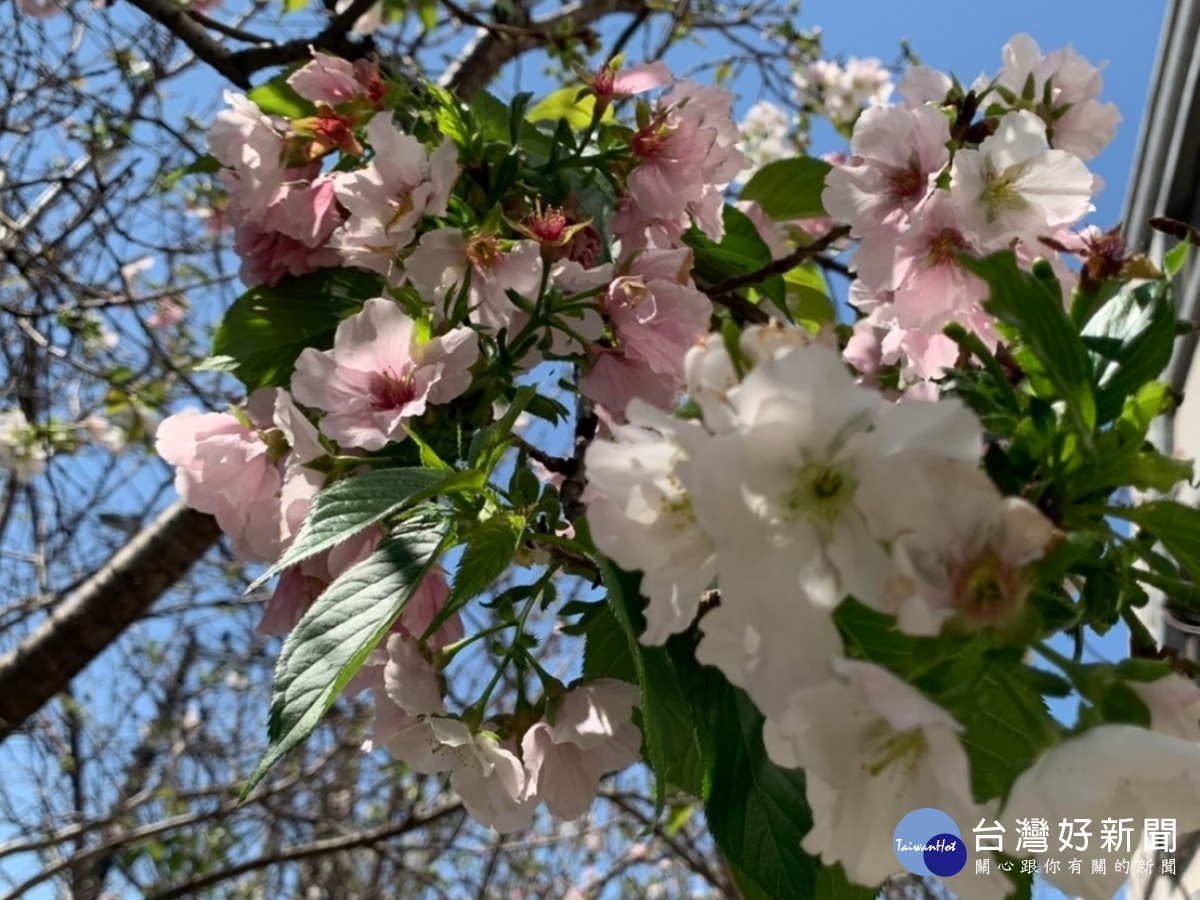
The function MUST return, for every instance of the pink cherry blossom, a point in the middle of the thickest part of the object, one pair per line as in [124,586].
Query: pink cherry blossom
[1077,122]
[489,777]
[686,156]
[440,263]
[592,734]
[896,154]
[411,683]
[291,235]
[921,267]
[656,315]
[389,196]
[333,80]
[611,82]
[250,144]
[873,749]
[224,467]
[963,559]
[920,85]
[641,516]
[879,341]
[773,233]
[168,312]
[379,375]
[1015,186]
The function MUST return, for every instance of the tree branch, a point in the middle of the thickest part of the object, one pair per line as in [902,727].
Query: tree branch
[491,48]
[174,17]
[316,848]
[95,614]
[725,292]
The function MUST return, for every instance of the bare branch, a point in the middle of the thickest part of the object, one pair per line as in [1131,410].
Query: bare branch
[174,17]
[94,615]
[317,848]
[491,49]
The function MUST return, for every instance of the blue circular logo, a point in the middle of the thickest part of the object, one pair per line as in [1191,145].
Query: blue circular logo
[928,842]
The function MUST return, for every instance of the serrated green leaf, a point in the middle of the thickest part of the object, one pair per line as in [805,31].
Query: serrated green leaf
[489,552]
[347,507]
[266,329]
[757,811]
[1023,301]
[347,621]
[1005,728]
[606,648]
[789,188]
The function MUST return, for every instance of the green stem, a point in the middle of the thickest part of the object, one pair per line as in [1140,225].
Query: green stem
[479,707]
[1055,657]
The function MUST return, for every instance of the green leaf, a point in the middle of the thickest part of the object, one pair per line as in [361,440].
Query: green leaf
[278,98]
[832,884]
[491,116]
[757,811]
[808,295]
[203,165]
[741,251]
[1131,339]
[347,507]
[266,329]
[1174,258]
[567,103]
[427,11]
[490,550]
[1173,525]
[1006,727]
[789,188]
[672,746]
[489,444]
[1023,301]
[606,648]
[347,621]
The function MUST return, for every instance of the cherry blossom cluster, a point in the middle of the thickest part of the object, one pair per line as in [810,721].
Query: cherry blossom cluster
[26,449]
[455,295]
[841,90]
[250,469]
[924,184]
[794,488]
[761,478]
[292,216]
